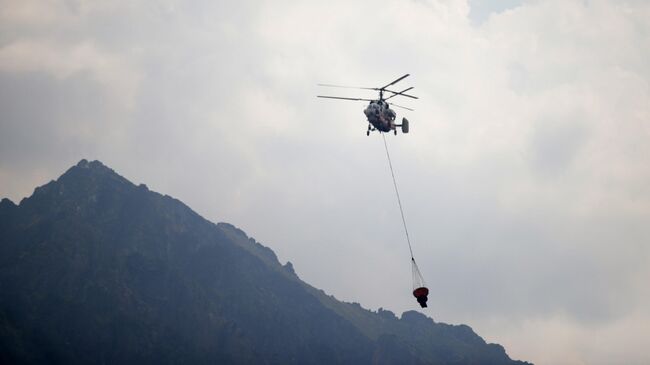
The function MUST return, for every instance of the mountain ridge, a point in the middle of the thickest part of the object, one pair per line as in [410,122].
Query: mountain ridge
[168,276]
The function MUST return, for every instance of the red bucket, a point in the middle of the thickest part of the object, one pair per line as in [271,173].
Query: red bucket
[421,294]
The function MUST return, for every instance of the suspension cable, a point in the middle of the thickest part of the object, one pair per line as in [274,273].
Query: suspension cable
[399,200]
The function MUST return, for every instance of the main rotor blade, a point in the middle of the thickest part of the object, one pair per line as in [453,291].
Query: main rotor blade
[341,98]
[394,82]
[348,87]
[401,93]
[403,107]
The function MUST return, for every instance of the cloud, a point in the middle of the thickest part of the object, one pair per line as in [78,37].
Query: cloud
[63,61]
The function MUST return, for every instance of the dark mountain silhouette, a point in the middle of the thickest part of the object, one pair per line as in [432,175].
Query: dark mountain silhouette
[97,270]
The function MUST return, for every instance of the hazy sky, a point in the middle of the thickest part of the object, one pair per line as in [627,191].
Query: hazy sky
[525,178]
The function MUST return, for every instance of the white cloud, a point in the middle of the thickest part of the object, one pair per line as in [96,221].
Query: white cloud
[64,60]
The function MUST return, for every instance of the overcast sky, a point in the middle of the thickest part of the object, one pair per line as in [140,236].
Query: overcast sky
[525,178]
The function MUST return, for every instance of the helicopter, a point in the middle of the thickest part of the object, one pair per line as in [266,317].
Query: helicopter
[378,112]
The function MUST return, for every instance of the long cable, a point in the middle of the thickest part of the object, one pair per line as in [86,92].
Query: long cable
[399,200]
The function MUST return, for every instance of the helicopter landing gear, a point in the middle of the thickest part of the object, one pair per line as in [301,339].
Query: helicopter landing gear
[395,131]
[370,128]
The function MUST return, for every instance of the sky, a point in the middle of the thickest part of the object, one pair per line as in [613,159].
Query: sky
[525,177]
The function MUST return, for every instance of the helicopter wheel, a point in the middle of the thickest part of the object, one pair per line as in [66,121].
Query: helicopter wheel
[395,131]
[367,132]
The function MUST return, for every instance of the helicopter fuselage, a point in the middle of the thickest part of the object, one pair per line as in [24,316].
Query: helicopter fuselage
[380,115]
